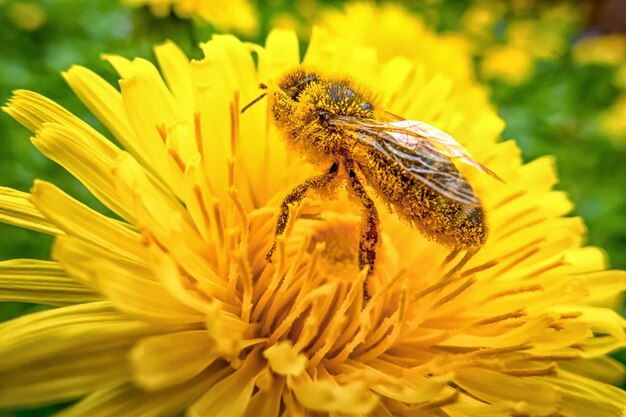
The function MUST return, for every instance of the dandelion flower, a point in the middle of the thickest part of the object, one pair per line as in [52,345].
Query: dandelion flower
[26,16]
[601,50]
[405,34]
[508,63]
[237,15]
[172,308]
[613,120]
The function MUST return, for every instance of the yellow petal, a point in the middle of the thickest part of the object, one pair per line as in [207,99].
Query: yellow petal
[177,72]
[585,397]
[466,406]
[76,219]
[151,205]
[17,210]
[606,288]
[265,403]
[105,102]
[88,161]
[162,361]
[281,52]
[149,105]
[41,282]
[608,328]
[604,369]
[131,288]
[230,396]
[494,387]
[117,401]
[61,354]
[414,391]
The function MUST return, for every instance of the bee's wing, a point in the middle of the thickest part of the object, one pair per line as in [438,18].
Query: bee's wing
[423,151]
[410,131]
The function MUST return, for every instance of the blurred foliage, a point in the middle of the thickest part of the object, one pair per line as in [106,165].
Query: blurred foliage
[536,58]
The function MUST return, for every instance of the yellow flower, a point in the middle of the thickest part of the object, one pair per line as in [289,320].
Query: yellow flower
[405,34]
[172,308]
[620,76]
[613,120]
[238,15]
[603,50]
[26,15]
[540,39]
[507,63]
[479,19]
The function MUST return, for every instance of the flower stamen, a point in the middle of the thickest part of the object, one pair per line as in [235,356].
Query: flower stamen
[177,159]
[449,297]
[162,130]
[197,130]
[512,315]
[234,123]
[516,291]
[197,191]
[550,370]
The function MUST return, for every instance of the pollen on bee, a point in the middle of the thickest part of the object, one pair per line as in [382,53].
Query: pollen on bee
[332,121]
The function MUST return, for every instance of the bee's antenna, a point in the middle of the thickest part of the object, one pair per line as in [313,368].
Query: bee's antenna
[247,106]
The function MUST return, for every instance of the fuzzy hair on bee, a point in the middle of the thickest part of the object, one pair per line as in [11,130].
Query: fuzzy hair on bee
[302,106]
[336,123]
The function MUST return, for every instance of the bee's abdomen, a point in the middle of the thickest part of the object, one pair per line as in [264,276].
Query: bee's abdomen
[437,217]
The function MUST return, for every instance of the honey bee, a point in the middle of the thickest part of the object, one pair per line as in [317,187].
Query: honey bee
[335,123]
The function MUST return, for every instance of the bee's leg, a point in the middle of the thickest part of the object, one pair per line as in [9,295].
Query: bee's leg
[369,229]
[296,195]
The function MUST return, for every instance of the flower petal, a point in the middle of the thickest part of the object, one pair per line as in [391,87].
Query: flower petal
[230,396]
[585,397]
[131,288]
[76,219]
[415,391]
[162,361]
[87,160]
[177,72]
[149,105]
[496,387]
[57,355]
[120,400]
[105,102]
[41,282]
[604,369]
[17,210]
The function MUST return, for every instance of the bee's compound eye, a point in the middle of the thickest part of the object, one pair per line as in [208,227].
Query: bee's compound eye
[366,106]
[324,115]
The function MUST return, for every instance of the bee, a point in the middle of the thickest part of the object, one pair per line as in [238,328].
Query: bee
[335,123]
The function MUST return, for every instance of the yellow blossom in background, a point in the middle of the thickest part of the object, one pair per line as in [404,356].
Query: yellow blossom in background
[620,76]
[26,15]
[507,63]
[173,308]
[542,40]
[603,50]
[288,21]
[613,120]
[521,32]
[238,15]
[403,34]
[479,19]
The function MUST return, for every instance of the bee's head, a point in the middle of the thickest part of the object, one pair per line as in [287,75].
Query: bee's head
[286,96]
[294,83]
